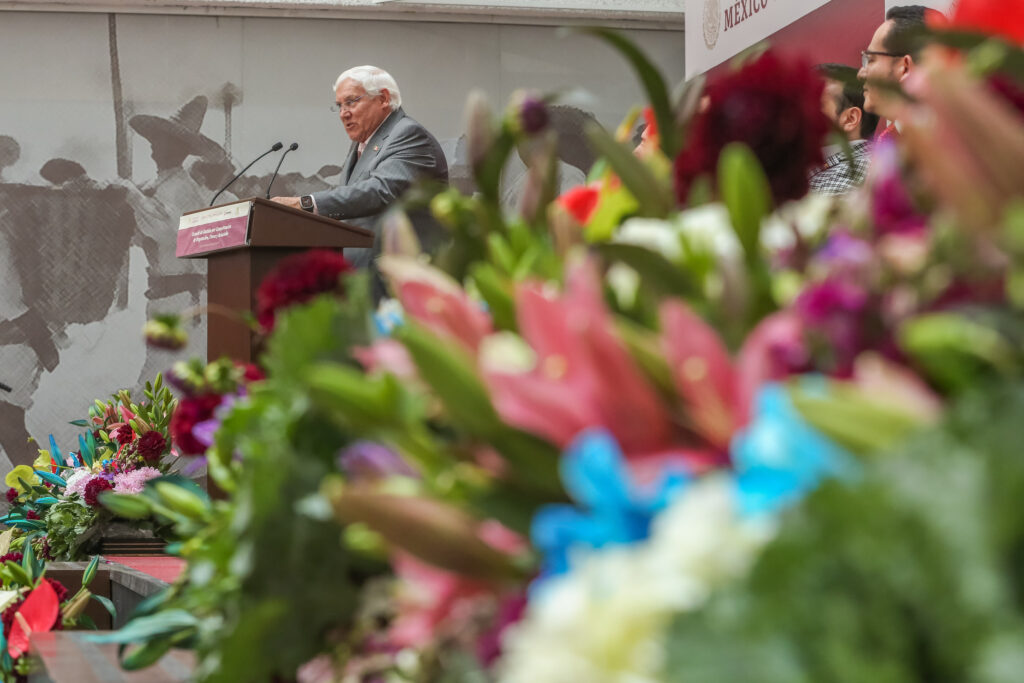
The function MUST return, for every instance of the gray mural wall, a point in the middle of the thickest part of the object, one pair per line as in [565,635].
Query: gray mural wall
[97,113]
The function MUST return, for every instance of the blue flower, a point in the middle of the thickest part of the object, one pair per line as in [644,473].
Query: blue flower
[779,458]
[612,509]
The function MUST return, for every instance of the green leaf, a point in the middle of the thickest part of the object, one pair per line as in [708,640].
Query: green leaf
[954,348]
[126,506]
[107,605]
[80,423]
[147,654]
[653,83]
[747,195]
[655,198]
[46,500]
[660,274]
[497,293]
[853,420]
[143,628]
[18,573]
[450,373]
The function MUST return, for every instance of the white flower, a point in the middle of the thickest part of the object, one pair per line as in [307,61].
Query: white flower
[605,621]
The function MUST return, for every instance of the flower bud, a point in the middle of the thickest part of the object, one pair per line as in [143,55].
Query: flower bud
[165,332]
[399,236]
[480,132]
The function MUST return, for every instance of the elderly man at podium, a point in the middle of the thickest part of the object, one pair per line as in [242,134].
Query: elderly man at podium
[390,151]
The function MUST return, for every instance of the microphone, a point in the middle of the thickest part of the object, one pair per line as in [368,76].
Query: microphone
[291,148]
[277,146]
[5,387]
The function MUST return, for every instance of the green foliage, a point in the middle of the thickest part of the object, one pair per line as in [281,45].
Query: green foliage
[70,529]
[913,573]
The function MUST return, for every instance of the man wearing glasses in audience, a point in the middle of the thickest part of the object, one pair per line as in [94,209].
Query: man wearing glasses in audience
[842,101]
[390,151]
[889,59]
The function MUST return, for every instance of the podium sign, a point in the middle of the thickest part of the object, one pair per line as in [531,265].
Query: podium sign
[216,229]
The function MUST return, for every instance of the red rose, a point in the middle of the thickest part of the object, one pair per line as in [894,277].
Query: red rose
[772,105]
[94,488]
[994,17]
[191,411]
[298,279]
[151,446]
[580,202]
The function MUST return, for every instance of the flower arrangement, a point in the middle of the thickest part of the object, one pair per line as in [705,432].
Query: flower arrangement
[680,424]
[57,501]
[31,603]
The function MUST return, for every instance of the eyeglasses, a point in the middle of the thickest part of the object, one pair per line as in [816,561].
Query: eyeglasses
[866,55]
[347,105]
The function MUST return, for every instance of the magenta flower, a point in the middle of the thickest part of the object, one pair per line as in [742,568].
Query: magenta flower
[892,207]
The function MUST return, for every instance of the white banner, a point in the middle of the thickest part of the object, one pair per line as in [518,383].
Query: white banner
[719,29]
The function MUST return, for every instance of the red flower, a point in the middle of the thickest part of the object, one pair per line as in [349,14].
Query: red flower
[94,488]
[252,373]
[13,557]
[122,434]
[58,588]
[190,412]
[32,514]
[774,107]
[298,279]
[995,17]
[581,202]
[151,446]
[12,495]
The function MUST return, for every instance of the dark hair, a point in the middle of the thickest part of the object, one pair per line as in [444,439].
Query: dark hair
[852,94]
[905,36]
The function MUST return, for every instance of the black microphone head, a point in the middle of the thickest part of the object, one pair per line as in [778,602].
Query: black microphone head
[292,147]
[277,146]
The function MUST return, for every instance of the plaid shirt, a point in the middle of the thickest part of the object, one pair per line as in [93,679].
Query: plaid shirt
[839,175]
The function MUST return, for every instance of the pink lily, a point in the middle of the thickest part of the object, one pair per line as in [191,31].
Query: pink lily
[583,376]
[717,391]
[436,301]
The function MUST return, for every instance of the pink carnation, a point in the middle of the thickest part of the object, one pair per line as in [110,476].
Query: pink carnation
[135,480]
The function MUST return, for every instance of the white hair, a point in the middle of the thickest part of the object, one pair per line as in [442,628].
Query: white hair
[373,80]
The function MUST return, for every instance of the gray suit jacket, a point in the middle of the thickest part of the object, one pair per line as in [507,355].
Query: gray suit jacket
[399,153]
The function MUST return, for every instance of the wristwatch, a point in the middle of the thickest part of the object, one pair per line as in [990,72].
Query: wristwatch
[306,202]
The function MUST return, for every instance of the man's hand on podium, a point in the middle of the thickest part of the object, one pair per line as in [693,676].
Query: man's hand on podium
[287,201]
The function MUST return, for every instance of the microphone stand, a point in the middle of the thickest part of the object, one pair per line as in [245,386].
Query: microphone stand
[277,146]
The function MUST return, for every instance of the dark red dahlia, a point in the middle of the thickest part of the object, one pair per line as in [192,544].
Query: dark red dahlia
[773,105]
[298,279]
[58,588]
[94,488]
[12,495]
[151,446]
[8,616]
[32,514]
[190,412]
[13,557]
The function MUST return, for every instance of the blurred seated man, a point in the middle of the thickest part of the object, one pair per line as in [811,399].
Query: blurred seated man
[842,101]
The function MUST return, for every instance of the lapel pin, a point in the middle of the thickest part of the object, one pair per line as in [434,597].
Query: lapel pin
[376,148]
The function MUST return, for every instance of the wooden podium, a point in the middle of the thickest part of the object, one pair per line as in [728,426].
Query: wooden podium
[271,232]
